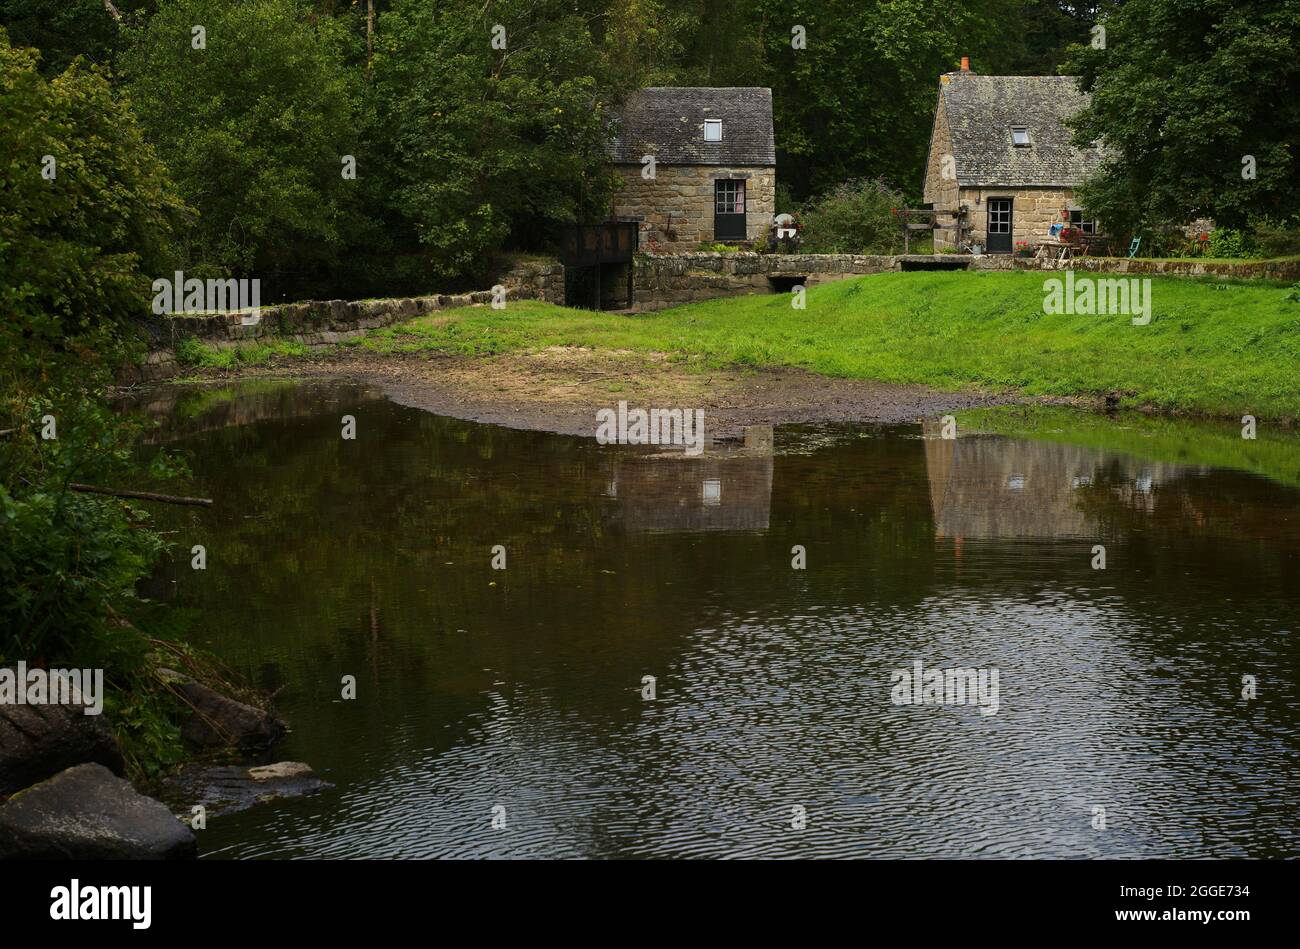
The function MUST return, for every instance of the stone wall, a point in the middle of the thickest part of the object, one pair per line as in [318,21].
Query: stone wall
[1282,271]
[1033,211]
[941,183]
[321,323]
[679,201]
[535,279]
[664,280]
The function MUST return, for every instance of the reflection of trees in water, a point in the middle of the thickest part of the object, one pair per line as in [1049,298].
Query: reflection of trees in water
[184,411]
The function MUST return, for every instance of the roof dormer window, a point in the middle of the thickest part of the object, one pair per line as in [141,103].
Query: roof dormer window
[1019,136]
[713,130]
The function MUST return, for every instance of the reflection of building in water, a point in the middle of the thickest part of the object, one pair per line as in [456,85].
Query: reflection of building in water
[726,488]
[988,486]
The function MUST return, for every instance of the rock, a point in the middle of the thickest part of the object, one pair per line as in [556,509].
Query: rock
[221,722]
[226,789]
[88,813]
[37,741]
[281,770]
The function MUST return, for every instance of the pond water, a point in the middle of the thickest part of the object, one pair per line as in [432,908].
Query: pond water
[517,694]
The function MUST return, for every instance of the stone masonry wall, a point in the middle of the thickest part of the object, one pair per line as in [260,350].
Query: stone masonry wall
[664,280]
[940,189]
[321,323]
[1033,211]
[681,196]
[672,279]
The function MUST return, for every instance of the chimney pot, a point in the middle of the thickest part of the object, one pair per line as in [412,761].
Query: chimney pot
[965,64]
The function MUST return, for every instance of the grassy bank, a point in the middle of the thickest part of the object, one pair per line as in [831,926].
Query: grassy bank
[1212,347]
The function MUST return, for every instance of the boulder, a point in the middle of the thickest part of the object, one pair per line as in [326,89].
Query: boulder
[218,721]
[37,741]
[88,813]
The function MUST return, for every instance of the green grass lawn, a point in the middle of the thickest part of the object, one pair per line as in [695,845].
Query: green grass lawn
[1223,349]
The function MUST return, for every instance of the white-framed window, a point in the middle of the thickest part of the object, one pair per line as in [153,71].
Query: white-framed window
[1019,135]
[713,130]
[729,196]
[1088,227]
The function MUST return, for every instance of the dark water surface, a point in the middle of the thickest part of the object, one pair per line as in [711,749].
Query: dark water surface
[522,688]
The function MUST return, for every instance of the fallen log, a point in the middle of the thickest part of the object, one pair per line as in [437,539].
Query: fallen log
[142,495]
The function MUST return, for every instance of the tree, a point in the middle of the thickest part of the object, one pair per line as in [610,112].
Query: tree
[86,216]
[253,116]
[1197,103]
[65,29]
[859,100]
[492,122]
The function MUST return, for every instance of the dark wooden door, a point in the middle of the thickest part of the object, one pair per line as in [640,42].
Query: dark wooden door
[999,226]
[729,210]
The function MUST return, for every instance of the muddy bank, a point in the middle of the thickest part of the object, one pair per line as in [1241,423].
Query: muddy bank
[559,389]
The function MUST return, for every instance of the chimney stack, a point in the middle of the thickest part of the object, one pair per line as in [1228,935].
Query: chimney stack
[965,64]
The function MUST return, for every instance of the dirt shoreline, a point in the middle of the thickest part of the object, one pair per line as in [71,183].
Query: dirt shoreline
[559,389]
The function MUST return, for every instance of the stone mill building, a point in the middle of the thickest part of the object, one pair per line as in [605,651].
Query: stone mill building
[1000,151]
[713,174]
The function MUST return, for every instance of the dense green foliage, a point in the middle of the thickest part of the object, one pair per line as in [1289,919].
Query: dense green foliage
[253,127]
[1225,349]
[857,217]
[65,29]
[1183,92]
[464,148]
[478,127]
[480,146]
[73,250]
[86,210]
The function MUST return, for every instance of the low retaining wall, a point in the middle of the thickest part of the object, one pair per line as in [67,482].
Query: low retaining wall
[1284,271]
[321,323]
[663,280]
[666,280]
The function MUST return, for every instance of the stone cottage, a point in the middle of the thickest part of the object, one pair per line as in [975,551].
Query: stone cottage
[713,174]
[1000,149]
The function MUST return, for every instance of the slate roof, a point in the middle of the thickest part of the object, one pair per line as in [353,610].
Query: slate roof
[981,111]
[668,122]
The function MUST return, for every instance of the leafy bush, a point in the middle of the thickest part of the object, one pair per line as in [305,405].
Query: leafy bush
[1229,242]
[73,254]
[1276,237]
[856,217]
[70,562]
